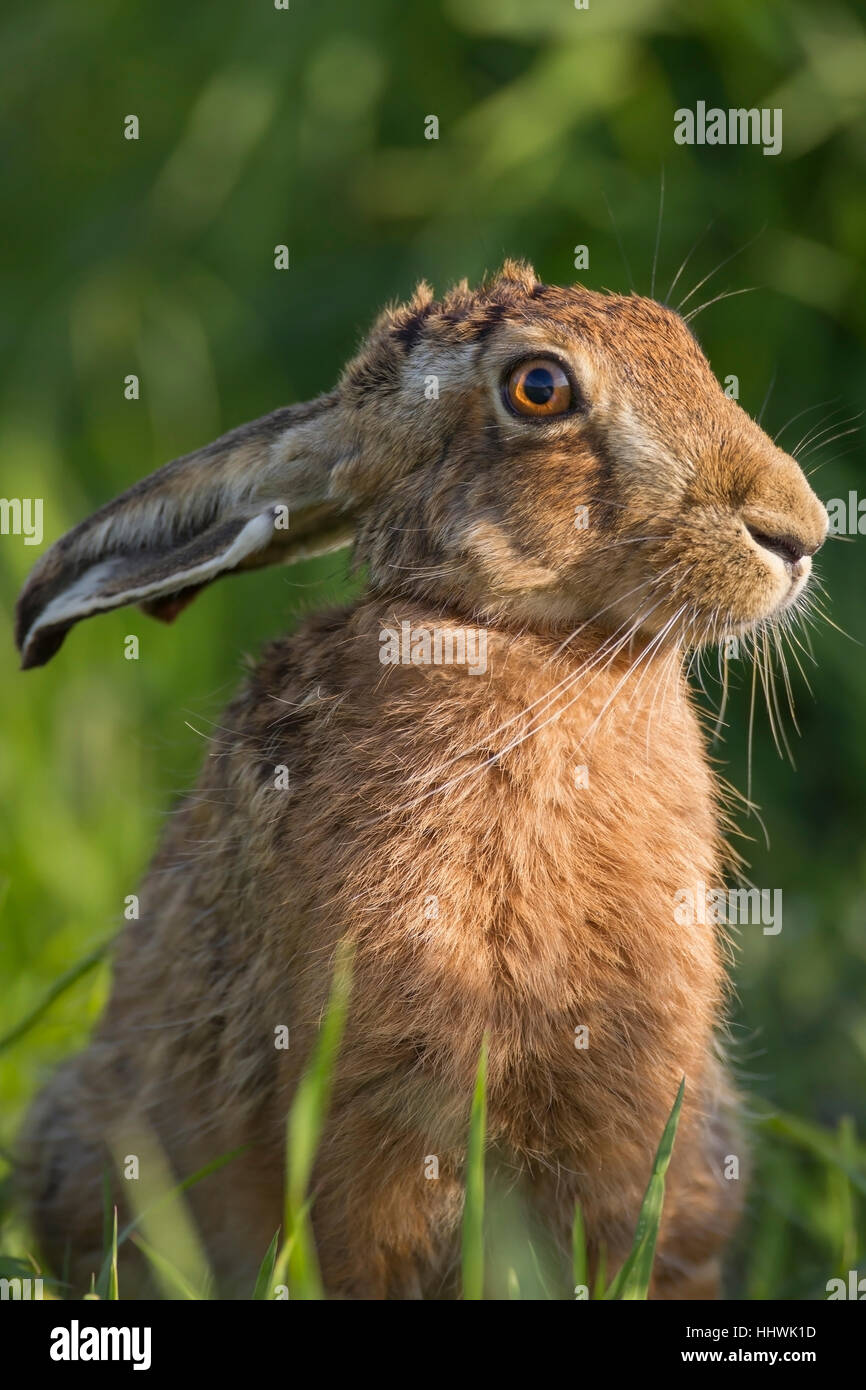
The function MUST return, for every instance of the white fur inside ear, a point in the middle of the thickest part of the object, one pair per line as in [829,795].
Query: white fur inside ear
[85,596]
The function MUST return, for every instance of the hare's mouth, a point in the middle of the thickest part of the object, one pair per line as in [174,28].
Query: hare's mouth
[789,561]
[726,580]
[794,553]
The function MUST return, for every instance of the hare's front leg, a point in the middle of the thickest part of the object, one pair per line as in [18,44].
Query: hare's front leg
[387,1212]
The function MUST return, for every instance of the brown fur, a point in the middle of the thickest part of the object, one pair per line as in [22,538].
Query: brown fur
[555,903]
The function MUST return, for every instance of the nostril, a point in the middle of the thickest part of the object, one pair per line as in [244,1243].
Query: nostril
[788,547]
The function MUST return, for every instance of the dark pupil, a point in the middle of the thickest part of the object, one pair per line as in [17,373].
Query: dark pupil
[538,385]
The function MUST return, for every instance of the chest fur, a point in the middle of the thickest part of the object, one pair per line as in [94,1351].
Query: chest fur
[507,854]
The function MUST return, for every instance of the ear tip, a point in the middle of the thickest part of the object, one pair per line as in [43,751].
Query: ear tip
[28,654]
[36,647]
[24,627]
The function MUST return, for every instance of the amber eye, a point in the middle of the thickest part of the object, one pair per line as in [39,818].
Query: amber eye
[538,387]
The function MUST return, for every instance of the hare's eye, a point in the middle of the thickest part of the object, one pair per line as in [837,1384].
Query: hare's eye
[538,387]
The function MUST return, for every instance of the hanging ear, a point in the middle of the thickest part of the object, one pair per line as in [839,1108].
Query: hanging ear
[263,494]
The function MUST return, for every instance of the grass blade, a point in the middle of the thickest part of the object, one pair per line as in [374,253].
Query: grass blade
[297,1263]
[143,1213]
[113,1289]
[168,1276]
[599,1287]
[842,1202]
[848,1157]
[579,1265]
[473,1211]
[633,1280]
[66,981]
[164,1225]
[266,1269]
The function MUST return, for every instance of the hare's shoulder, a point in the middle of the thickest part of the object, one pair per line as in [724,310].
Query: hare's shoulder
[368,668]
[293,675]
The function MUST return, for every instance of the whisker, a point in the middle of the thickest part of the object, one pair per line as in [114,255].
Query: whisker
[619,599]
[724,673]
[771,683]
[516,742]
[825,443]
[673,283]
[823,427]
[783,666]
[760,415]
[544,700]
[619,242]
[645,653]
[726,294]
[658,234]
[721,264]
[750,740]
[800,413]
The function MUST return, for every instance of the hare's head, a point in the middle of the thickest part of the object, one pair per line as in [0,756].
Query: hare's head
[521,452]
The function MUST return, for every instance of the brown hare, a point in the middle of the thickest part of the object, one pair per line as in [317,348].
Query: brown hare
[487,773]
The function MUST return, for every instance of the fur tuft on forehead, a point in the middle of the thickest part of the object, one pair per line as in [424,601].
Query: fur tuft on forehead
[462,315]
[515,272]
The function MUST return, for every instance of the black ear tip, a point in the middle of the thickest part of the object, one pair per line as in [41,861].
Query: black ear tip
[21,625]
[37,643]
[27,610]
[39,647]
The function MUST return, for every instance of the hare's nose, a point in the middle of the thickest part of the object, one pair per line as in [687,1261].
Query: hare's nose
[788,520]
[790,548]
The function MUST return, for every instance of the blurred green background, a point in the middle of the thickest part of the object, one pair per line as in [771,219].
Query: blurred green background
[156,257]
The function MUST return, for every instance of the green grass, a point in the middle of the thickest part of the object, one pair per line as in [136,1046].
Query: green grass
[296,1265]
[290,1267]
[473,1210]
[632,1280]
